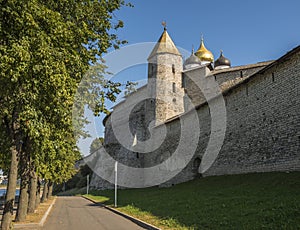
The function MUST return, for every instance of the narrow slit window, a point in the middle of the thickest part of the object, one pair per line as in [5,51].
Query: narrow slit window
[174,87]
[173,68]
[182,81]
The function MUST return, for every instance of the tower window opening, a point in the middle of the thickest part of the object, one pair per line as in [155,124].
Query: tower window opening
[196,165]
[182,81]
[152,70]
[174,87]
[173,68]
[241,74]
[273,77]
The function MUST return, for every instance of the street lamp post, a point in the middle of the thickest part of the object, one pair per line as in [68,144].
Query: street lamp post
[116,182]
[87,183]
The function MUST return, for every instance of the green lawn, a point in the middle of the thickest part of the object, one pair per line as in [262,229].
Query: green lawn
[253,201]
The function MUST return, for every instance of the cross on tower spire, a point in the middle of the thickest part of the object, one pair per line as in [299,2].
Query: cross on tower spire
[164,23]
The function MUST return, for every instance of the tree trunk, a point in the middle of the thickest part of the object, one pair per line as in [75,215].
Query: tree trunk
[38,193]
[32,192]
[11,190]
[45,192]
[50,189]
[25,177]
[23,201]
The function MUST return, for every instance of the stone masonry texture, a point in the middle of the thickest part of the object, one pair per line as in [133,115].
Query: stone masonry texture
[262,128]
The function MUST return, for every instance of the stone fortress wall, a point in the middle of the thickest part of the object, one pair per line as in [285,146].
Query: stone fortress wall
[263,123]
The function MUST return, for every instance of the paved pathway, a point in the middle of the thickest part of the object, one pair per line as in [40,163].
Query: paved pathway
[76,213]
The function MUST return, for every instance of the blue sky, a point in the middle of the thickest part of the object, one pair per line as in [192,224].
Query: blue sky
[247,31]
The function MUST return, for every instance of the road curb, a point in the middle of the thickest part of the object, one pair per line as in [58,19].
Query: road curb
[42,221]
[131,218]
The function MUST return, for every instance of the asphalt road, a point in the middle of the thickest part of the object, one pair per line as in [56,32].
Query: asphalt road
[76,213]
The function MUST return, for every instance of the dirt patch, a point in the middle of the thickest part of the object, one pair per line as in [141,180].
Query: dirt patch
[37,216]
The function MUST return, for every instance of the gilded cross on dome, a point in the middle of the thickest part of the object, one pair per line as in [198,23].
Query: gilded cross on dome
[164,23]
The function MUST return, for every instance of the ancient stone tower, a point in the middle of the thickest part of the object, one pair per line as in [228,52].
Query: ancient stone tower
[164,80]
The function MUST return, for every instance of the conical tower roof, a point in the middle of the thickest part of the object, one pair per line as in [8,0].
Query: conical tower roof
[164,45]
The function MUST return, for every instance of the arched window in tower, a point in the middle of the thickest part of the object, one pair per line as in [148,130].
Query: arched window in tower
[174,87]
[173,68]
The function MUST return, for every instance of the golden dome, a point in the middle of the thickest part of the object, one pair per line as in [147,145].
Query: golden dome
[204,54]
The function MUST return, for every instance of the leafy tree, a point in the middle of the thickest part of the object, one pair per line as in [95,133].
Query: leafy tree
[4,151]
[96,144]
[45,49]
[130,87]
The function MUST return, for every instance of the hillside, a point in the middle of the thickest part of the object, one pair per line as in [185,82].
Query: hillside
[252,201]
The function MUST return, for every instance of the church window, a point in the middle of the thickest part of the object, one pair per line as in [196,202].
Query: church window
[273,77]
[173,68]
[137,155]
[241,74]
[174,87]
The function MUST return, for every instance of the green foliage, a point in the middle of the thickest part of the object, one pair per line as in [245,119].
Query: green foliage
[130,87]
[4,150]
[92,93]
[45,49]
[96,144]
[85,170]
[253,201]
[79,180]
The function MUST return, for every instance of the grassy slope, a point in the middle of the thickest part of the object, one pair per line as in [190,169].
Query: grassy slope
[253,201]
